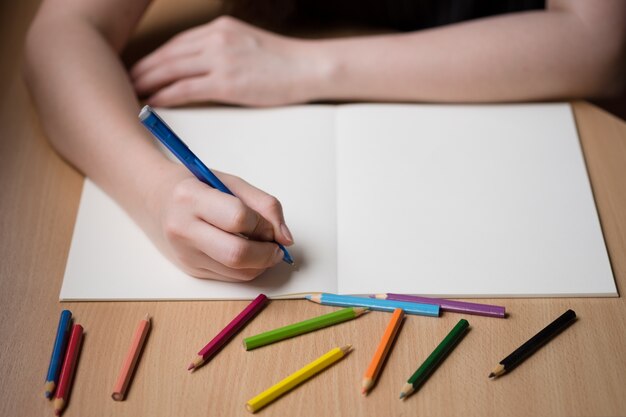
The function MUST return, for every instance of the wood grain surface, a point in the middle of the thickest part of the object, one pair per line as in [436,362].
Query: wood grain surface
[580,373]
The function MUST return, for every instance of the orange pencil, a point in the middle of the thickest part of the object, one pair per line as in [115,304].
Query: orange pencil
[381,352]
[128,367]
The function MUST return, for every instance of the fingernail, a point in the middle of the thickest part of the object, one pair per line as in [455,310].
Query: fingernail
[278,255]
[285,231]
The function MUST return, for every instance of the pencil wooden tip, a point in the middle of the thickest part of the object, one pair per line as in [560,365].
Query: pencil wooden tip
[360,310]
[406,391]
[147,317]
[49,389]
[499,370]
[381,296]
[57,412]
[346,348]
[191,367]
[366,385]
[316,298]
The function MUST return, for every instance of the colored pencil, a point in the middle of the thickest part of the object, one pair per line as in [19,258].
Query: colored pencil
[305,326]
[534,343]
[229,331]
[373,370]
[69,367]
[434,358]
[374,304]
[58,351]
[449,305]
[132,357]
[296,378]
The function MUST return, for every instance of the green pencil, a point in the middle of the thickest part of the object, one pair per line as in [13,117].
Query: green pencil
[433,360]
[305,326]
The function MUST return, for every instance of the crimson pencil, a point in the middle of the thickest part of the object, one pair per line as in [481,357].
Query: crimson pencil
[67,371]
[229,331]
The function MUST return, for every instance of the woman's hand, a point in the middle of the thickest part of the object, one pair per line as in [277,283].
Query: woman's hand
[200,228]
[232,62]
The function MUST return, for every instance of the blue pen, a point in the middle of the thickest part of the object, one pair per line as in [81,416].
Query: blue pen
[58,352]
[167,137]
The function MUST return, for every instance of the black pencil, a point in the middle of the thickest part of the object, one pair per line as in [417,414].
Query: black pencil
[534,343]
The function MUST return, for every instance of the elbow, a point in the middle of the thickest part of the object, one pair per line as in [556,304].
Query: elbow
[606,77]
[599,69]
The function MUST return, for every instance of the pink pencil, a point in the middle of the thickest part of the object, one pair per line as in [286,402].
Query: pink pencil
[229,331]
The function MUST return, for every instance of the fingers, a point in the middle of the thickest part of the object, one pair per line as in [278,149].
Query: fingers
[170,71]
[232,252]
[229,213]
[198,264]
[185,44]
[185,91]
[266,205]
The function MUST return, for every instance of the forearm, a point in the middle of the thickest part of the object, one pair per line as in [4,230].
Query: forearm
[529,56]
[88,107]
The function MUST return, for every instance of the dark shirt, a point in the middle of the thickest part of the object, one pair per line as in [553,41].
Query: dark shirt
[410,14]
[404,15]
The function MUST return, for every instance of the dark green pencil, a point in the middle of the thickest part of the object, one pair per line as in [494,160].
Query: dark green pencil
[433,360]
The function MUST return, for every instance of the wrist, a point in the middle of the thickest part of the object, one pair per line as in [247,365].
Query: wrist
[321,67]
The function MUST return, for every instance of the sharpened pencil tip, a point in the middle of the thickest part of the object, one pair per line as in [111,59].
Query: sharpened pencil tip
[191,367]
[364,392]
[57,412]
[402,395]
[48,394]
[308,297]
[492,375]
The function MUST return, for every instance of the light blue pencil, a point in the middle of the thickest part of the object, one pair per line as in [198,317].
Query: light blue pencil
[374,304]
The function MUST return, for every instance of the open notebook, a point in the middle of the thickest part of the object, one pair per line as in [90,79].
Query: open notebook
[468,201]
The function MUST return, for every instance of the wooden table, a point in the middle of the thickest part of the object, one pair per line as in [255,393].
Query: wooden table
[580,373]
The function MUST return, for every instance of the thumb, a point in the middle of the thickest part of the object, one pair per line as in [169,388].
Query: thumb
[271,221]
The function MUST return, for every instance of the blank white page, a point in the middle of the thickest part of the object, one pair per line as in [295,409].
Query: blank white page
[287,152]
[466,201]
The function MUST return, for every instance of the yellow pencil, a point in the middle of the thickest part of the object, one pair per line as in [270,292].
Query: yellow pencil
[296,378]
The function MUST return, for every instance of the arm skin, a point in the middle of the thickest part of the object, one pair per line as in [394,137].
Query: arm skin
[89,110]
[573,49]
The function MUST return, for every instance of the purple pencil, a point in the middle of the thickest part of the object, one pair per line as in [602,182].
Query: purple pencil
[229,331]
[449,305]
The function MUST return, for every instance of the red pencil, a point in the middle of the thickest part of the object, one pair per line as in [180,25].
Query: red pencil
[229,331]
[67,371]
